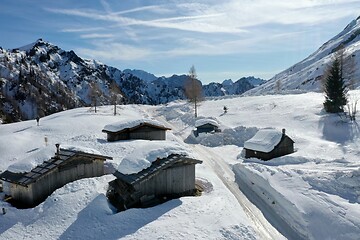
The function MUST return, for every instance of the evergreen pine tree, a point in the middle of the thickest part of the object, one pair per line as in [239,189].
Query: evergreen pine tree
[335,89]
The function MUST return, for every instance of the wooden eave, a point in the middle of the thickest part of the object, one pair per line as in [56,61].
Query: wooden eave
[136,127]
[65,156]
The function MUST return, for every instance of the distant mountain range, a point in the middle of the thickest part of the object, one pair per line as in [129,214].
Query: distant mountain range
[41,78]
[307,74]
[228,87]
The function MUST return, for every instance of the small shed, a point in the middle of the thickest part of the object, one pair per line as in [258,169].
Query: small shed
[206,125]
[27,189]
[136,129]
[268,144]
[170,177]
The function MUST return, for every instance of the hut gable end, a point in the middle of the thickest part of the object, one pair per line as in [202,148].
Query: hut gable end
[30,188]
[174,175]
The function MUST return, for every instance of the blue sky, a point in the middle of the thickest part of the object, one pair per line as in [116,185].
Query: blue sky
[222,39]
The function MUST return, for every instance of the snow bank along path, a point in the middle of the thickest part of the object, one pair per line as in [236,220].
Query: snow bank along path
[264,229]
[315,190]
[223,171]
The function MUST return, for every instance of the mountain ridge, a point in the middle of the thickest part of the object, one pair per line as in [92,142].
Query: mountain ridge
[307,75]
[41,78]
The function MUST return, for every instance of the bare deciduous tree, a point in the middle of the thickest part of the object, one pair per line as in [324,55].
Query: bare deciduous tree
[94,93]
[193,88]
[352,109]
[115,94]
[348,69]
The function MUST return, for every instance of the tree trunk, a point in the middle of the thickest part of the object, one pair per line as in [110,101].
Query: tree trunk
[195,107]
[95,104]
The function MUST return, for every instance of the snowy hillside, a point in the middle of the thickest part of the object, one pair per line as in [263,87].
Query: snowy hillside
[307,74]
[313,193]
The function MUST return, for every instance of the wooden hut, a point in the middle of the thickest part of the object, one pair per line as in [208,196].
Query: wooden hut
[268,144]
[166,178]
[135,129]
[28,189]
[206,126]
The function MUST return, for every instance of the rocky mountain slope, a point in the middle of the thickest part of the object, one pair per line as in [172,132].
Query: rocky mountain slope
[307,74]
[41,78]
[228,87]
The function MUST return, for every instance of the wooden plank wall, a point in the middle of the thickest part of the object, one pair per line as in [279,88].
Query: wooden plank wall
[169,181]
[44,186]
[148,133]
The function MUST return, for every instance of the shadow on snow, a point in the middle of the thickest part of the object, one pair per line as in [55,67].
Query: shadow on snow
[98,221]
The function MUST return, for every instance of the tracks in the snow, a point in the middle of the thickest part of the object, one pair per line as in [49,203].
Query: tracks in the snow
[264,229]
[222,169]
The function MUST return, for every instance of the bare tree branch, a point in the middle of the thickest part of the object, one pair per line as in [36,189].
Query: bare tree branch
[193,88]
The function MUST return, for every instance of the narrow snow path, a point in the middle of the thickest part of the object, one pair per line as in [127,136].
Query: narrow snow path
[264,229]
[222,169]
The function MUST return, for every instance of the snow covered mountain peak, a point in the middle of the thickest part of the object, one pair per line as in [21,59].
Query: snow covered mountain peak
[148,77]
[352,24]
[30,46]
[228,82]
[228,87]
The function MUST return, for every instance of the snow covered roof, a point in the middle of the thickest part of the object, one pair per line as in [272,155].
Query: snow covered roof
[32,160]
[146,153]
[204,121]
[156,166]
[129,124]
[44,154]
[21,177]
[264,140]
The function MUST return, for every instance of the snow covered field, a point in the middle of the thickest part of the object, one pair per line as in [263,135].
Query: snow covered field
[313,193]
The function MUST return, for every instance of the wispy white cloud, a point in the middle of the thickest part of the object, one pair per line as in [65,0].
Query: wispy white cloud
[96,35]
[187,28]
[106,6]
[195,23]
[82,29]
[224,16]
[244,14]
[104,50]
[158,9]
